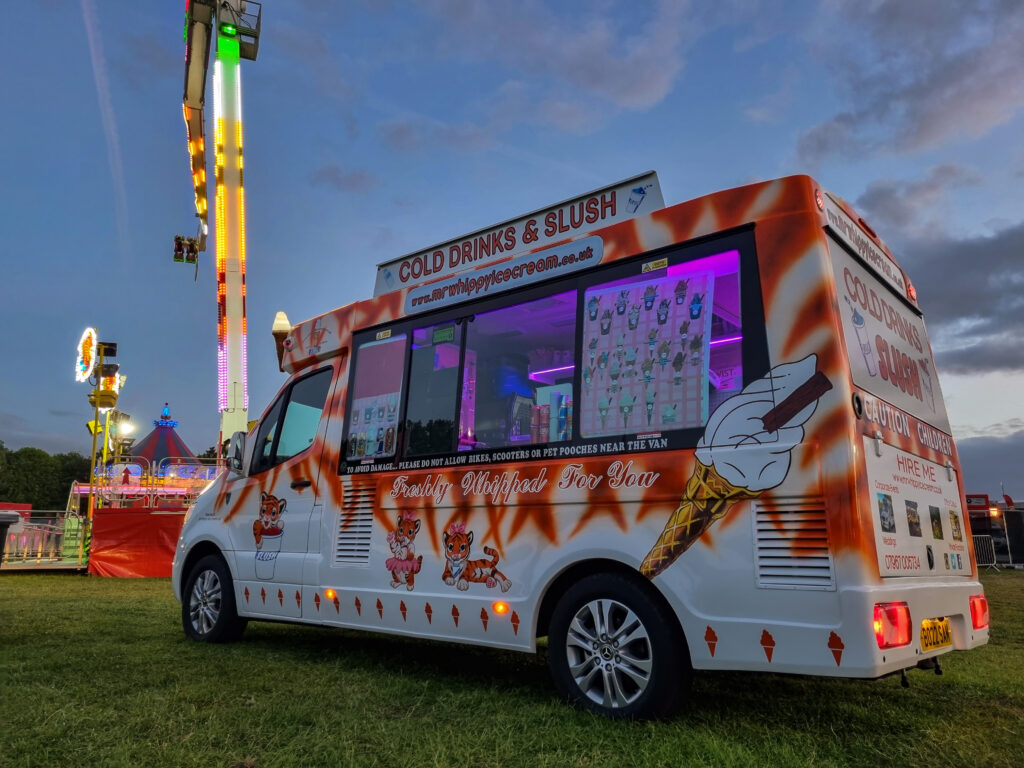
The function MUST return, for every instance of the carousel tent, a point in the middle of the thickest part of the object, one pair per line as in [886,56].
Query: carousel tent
[162,443]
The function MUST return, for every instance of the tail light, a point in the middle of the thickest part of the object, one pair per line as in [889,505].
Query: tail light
[892,624]
[979,611]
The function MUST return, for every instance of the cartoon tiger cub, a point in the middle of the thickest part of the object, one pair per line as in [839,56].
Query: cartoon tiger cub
[404,563]
[269,522]
[461,571]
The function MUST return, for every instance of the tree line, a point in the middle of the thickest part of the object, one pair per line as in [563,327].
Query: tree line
[32,476]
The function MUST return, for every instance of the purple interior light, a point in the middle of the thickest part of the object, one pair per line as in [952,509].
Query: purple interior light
[727,340]
[534,374]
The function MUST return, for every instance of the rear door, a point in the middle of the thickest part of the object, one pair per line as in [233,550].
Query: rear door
[914,487]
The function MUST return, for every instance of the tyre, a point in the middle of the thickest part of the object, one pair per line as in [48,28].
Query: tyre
[616,650]
[208,611]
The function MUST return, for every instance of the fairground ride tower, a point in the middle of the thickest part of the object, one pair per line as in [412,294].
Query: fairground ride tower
[236,27]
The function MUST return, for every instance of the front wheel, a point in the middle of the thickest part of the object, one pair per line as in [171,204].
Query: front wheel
[615,650]
[208,611]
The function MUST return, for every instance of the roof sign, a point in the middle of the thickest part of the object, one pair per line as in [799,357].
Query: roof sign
[563,221]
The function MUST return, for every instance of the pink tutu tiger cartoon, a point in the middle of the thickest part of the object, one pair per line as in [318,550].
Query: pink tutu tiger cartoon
[403,563]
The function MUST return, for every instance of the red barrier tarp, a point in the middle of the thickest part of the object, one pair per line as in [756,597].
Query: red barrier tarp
[133,543]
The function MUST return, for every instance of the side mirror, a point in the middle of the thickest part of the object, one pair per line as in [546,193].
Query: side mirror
[236,452]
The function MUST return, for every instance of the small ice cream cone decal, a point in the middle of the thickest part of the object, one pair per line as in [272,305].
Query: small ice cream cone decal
[455,615]
[280,597]
[430,613]
[768,644]
[745,450]
[359,606]
[316,601]
[298,599]
[626,406]
[711,639]
[380,608]
[835,644]
[246,593]
[484,617]
[515,623]
[402,609]
[337,604]
[263,595]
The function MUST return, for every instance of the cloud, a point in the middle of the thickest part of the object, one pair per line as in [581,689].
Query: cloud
[17,432]
[311,50]
[989,461]
[1002,429]
[147,57]
[919,76]
[109,119]
[583,51]
[400,135]
[902,206]
[344,181]
[774,106]
[972,293]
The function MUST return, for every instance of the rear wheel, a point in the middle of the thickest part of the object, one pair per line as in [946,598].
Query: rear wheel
[616,650]
[208,611]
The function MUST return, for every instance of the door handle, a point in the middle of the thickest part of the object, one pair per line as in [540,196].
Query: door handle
[302,483]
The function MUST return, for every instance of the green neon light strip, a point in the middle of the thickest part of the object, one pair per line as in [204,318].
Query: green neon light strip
[227,50]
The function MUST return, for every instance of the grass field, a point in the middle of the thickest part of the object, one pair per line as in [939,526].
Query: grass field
[97,672]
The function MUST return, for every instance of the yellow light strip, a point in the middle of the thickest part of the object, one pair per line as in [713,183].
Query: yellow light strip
[241,228]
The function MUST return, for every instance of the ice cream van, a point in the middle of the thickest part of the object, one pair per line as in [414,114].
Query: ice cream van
[708,436]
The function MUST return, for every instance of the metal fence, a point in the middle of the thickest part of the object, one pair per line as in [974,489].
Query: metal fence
[43,536]
[985,552]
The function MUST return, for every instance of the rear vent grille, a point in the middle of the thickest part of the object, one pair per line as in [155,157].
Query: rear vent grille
[355,523]
[791,538]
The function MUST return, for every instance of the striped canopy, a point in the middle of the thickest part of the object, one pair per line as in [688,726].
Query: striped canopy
[163,442]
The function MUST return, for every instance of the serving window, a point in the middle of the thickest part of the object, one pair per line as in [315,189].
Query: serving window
[645,347]
[376,398]
[517,387]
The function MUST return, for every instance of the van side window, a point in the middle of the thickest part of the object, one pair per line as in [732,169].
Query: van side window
[661,349]
[302,416]
[433,389]
[517,382]
[376,398]
[280,439]
[263,458]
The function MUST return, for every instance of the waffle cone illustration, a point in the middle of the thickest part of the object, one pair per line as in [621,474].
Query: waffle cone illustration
[745,451]
[708,497]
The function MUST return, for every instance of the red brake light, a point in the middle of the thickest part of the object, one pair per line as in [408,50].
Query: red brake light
[892,624]
[979,611]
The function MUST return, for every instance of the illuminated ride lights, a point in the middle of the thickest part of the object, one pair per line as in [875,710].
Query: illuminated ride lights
[87,350]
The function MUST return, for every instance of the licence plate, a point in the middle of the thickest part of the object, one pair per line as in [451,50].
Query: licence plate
[935,633]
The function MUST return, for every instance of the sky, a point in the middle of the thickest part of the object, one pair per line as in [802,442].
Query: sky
[373,129]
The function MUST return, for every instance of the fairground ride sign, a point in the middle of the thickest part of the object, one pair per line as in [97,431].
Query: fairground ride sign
[563,221]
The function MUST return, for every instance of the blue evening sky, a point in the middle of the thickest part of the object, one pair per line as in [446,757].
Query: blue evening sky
[377,128]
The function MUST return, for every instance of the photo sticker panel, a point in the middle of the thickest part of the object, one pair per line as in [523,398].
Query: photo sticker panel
[913,500]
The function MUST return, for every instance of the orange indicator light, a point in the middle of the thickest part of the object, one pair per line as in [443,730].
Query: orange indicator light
[500,607]
[330,594]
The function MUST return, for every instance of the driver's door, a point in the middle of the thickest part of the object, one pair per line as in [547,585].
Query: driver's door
[270,530]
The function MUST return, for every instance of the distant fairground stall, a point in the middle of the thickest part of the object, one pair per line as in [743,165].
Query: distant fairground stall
[139,504]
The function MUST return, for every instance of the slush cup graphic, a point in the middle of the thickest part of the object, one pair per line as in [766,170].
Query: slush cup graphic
[864,340]
[268,530]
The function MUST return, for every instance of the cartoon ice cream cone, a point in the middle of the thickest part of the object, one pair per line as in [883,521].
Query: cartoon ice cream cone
[707,498]
[745,450]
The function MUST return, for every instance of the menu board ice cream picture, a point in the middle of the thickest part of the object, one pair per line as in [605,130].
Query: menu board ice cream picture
[646,360]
